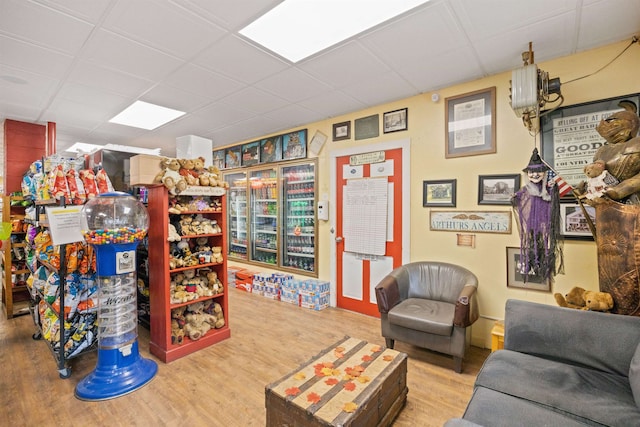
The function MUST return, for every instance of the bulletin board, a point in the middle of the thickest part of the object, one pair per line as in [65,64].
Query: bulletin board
[365,216]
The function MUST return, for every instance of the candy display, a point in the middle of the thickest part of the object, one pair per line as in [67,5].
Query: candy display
[120,235]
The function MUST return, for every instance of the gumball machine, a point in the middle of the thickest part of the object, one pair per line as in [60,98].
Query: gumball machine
[114,223]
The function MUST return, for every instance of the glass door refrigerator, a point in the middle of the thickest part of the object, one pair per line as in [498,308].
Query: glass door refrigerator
[298,240]
[237,212]
[263,213]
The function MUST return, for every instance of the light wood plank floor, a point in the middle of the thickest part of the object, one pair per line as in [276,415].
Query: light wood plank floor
[222,385]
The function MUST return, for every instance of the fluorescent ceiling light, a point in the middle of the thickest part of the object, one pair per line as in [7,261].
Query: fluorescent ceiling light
[84,148]
[146,116]
[296,29]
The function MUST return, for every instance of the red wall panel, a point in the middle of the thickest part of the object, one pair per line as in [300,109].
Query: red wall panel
[24,144]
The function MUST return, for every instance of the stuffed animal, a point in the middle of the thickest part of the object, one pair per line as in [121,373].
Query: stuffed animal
[197,321]
[177,333]
[170,176]
[598,301]
[216,255]
[173,234]
[598,179]
[185,225]
[201,171]
[187,171]
[214,283]
[215,310]
[573,299]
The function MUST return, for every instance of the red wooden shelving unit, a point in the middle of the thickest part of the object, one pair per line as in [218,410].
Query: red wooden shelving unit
[160,343]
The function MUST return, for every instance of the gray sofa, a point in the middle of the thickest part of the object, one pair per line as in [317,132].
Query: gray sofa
[559,367]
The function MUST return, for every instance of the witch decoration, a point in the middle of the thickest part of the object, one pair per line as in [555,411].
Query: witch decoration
[537,207]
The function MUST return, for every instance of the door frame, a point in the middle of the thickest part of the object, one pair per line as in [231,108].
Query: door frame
[405,145]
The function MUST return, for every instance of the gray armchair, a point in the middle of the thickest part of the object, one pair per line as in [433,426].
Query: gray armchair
[429,305]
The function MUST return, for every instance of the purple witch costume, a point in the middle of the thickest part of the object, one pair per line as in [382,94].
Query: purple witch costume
[537,207]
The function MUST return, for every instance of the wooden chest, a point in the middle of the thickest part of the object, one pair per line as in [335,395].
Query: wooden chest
[352,383]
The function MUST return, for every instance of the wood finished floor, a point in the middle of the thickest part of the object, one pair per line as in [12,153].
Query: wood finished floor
[222,385]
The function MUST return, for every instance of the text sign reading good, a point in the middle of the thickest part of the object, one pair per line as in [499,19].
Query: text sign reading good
[125,262]
[367,158]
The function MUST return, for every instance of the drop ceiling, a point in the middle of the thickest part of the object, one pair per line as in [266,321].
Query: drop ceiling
[78,63]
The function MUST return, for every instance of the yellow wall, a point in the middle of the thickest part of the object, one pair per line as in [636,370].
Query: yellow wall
[426,130]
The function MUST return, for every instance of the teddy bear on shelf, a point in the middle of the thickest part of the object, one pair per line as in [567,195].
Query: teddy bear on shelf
[214,309]
[201,171]
[173,235]
[196,322]
[216,255]
[187,171]
[185,225]
[178,322]
[170,176]
[214,283]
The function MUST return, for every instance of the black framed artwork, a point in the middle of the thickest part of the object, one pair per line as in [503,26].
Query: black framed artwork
[271,149]
[233,155]
[568,136]
[439,193]
[497,189]
[294,145]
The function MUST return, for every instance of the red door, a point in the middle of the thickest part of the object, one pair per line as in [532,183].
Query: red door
[358,273]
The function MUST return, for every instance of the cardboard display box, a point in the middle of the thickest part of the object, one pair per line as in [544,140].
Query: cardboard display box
[143,168]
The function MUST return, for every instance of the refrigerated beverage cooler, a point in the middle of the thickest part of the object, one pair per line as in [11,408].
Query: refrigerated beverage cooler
[272,216]
[299,217]
[264,215]
[237,211]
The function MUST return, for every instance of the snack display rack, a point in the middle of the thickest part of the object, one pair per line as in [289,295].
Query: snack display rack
[56,323]
[14,267]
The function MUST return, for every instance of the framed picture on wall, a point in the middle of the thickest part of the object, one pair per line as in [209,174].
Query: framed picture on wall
[516,278]
[251,153]
[470,121]
[294,145]
[573,222]
[218,159]
[568,136]
[441,193]
[497,189]
[395,121]
[341,131]
[271,149]
[233,156]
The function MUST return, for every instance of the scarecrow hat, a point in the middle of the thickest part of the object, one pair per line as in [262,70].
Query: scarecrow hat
[535,163]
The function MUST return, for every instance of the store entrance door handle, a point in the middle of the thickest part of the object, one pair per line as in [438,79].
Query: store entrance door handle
[339,239]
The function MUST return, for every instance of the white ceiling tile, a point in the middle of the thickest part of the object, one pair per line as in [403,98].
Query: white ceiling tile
[235,58]
[220,115]
[170,97]
[197,80]
[344,65]
[21,112]
[110,50]
[165,27]
[255,100]
[293,85]
[35,93]
[107,79]
[331,104]
[43,26]
[90,11]
[29,57]
[380,89]
[600,31]
[483,19]
[232,14]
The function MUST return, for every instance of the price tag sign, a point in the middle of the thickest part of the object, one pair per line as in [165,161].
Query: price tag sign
[64,224]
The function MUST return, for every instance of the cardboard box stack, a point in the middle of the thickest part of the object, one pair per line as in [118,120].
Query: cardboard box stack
[308,293]
[269,285]
[244,280]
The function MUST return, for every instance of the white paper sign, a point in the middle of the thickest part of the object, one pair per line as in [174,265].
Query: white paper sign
[64,224]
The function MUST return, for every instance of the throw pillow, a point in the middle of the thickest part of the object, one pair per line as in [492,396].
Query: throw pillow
[634,376]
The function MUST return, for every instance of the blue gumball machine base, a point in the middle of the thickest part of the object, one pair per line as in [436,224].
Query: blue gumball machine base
[118,372]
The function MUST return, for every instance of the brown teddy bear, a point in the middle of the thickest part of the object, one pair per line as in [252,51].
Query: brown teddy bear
[170,176]
[573,299]
[214,283]
[216,256]
[177,325]
[598,301]
[187,171]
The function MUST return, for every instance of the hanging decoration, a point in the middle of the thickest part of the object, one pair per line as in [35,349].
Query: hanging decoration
[537,208]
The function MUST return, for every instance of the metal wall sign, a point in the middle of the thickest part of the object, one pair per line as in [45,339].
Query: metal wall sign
[367,158]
